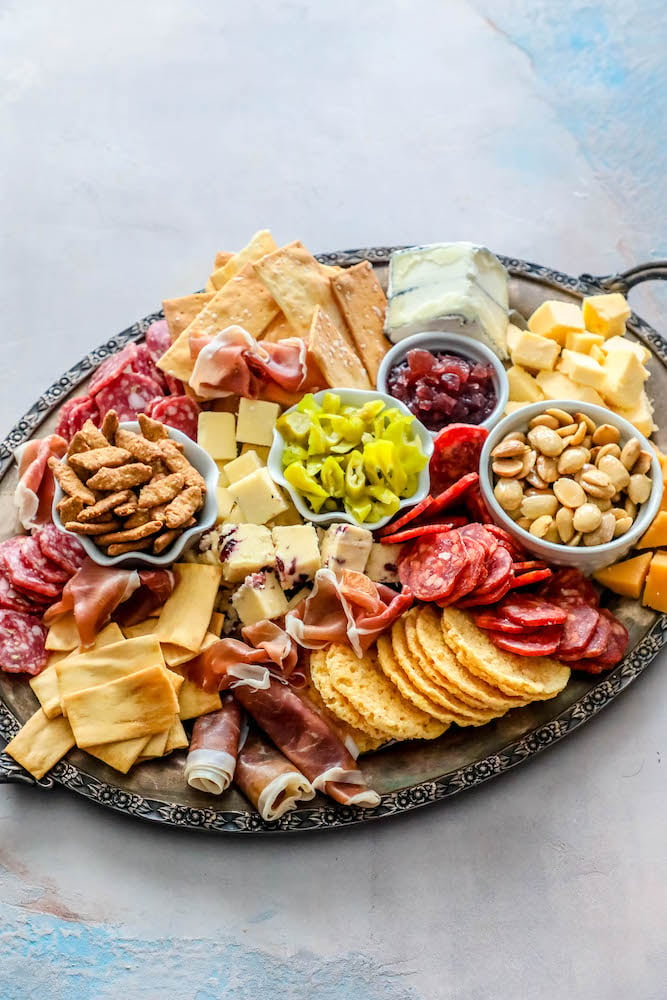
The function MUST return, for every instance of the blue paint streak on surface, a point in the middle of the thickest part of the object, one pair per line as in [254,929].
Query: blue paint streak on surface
[92,962]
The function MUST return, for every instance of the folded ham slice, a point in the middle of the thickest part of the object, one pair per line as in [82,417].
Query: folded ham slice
[348,608]
[211,761]
[93,594]
[268,780]
[233,363]
[231,663]
[34,491]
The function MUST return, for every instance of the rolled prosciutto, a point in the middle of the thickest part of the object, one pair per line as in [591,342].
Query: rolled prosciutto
[307,739]
[35,488]
[211,762]
[268,780]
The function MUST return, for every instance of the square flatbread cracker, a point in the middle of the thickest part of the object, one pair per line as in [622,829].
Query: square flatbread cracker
[339,365]
[279,329]
[260,244]
[179,313]
[363,304]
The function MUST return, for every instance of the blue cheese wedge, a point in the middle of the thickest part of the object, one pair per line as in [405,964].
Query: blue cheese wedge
[458,287]
[245,549]
[258,598]
[345,546]
[258,496]
[382,565]
[297,554]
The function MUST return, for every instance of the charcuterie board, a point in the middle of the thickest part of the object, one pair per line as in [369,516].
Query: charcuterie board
[407,775]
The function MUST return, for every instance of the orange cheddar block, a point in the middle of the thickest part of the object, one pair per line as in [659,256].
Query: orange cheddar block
[655,592]
[626,578]
[656,536]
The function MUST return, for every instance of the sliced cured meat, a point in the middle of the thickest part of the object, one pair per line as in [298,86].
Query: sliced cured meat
[180,412]
[13,600]
[23,576]
[35,489]
[155,586]
[174,385]
[73,415]
[128,394]
[534,576]
[419,532]
[92,594]
[474,572]
[617,644]
[542,642]
[63,549]
[111,368]
[481,535]
[598,642]
[478,600]
[476,506]
[578,630]
[571,586]
[268,780]
[506,539]
[407,518]
[35,559]
[144,364]
[532,612]
[430,566]
[443,501]
[158,339]
[496,621]
[211,760]
[529,564]
[500,570]
[456,451]
[22,643]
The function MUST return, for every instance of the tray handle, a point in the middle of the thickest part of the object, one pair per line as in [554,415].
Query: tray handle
[655,270]
[12,773]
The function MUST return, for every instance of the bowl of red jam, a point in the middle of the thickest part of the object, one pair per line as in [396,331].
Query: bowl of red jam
[445,378]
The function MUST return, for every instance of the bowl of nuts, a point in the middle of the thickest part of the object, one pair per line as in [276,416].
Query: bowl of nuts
[573,483]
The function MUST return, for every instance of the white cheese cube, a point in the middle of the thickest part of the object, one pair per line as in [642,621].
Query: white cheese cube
[582,369]
[222,475]
[346,546]
[256,421]
[261,451]
[297,554]
[597,354]
[556,385]
[242,466]
[554,319]
[536,352]
[583,342]
[623,344]
[216,434]
[225,502]
[624,377]
[244,549]
[513,334]
[287,517]
[523,387]
[606,314]
[258,497]
[641,415]
[513,406]
[382,565]
[258,598]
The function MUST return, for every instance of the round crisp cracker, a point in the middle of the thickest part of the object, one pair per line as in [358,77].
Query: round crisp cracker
[537,677]
[337,703]
[390,666]
[460,713]
[376,698]
[363,742]
[440,661]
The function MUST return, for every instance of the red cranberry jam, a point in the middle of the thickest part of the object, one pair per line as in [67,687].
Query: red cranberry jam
[442,388]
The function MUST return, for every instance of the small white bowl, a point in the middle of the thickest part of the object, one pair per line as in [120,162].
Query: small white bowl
[351,397]
[588,559]
[205,465]
[452,343]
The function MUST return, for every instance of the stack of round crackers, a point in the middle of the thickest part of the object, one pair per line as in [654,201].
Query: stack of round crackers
[433,668]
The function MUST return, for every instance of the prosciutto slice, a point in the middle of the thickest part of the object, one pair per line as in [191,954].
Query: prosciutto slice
[231,663]
[268,780]
[34,491]
[155,586]
[93,594]
[308,741]
[348,608]
[211,762]
[233,363]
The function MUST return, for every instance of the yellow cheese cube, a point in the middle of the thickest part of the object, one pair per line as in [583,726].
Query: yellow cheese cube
[583,341]
[256,421]
[523,387]
[536,352]
[624,377]
[582,369]
[259,597]
[597,354]
[655,592]
[222,475]
[556,385]
[656,534]
[513,334]
[623,344]
[555,320]
[216,434]
[261,450]
[640,415]
[606,314]
[626,578]
[243,466]
[258,497]
[225,502]
[513,406]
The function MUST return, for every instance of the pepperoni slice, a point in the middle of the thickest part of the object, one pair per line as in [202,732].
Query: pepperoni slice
[476,506]
[481,535]
[452,494]
[571,586]
[456,453]
[418,532]
[617,642]
[532,612]
[180,412]
[431,566]
[22,643]
[497,583]
[128,394]
[495,621]
[599,640]
[21,575]
[408,517]
[578,630]
[542,642]
[63,549]
[474,572]
[158,339]
[528,579]
[506,539]
[13,600]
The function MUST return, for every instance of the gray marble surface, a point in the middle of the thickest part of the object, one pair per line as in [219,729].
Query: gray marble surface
[138,139]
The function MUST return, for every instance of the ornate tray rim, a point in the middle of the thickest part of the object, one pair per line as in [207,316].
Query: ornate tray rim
[333,816]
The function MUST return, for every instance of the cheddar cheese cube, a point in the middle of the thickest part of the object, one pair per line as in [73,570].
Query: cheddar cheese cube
[583,341]
[258,496]
[554,319]
[626,578]
[523,387]
[656,534]
[216,434]
[582,369]
[256,421]
[623,344]
[624,377]
[535,352]
[655,591]
[640,415]
[513,334]
[557,385]
[606,314]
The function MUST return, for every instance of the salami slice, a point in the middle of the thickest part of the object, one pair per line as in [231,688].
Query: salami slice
[476,506]
[158,339]
[542,642]
[497,583]
[61,548]
[407,518]
[481,535]
[452,494]
[144,364]
[617,644]
[474,572]
[13,600]
[111,368]
[495,621]
[578,630]
[569,586]
[431,566]
[73,415]
[456,453]
[21,575]
[180,412]
[128,394]
[22,643]
[532,612]
[598,642]
[534,576]
[506,539]
[419,532]
[35,559]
